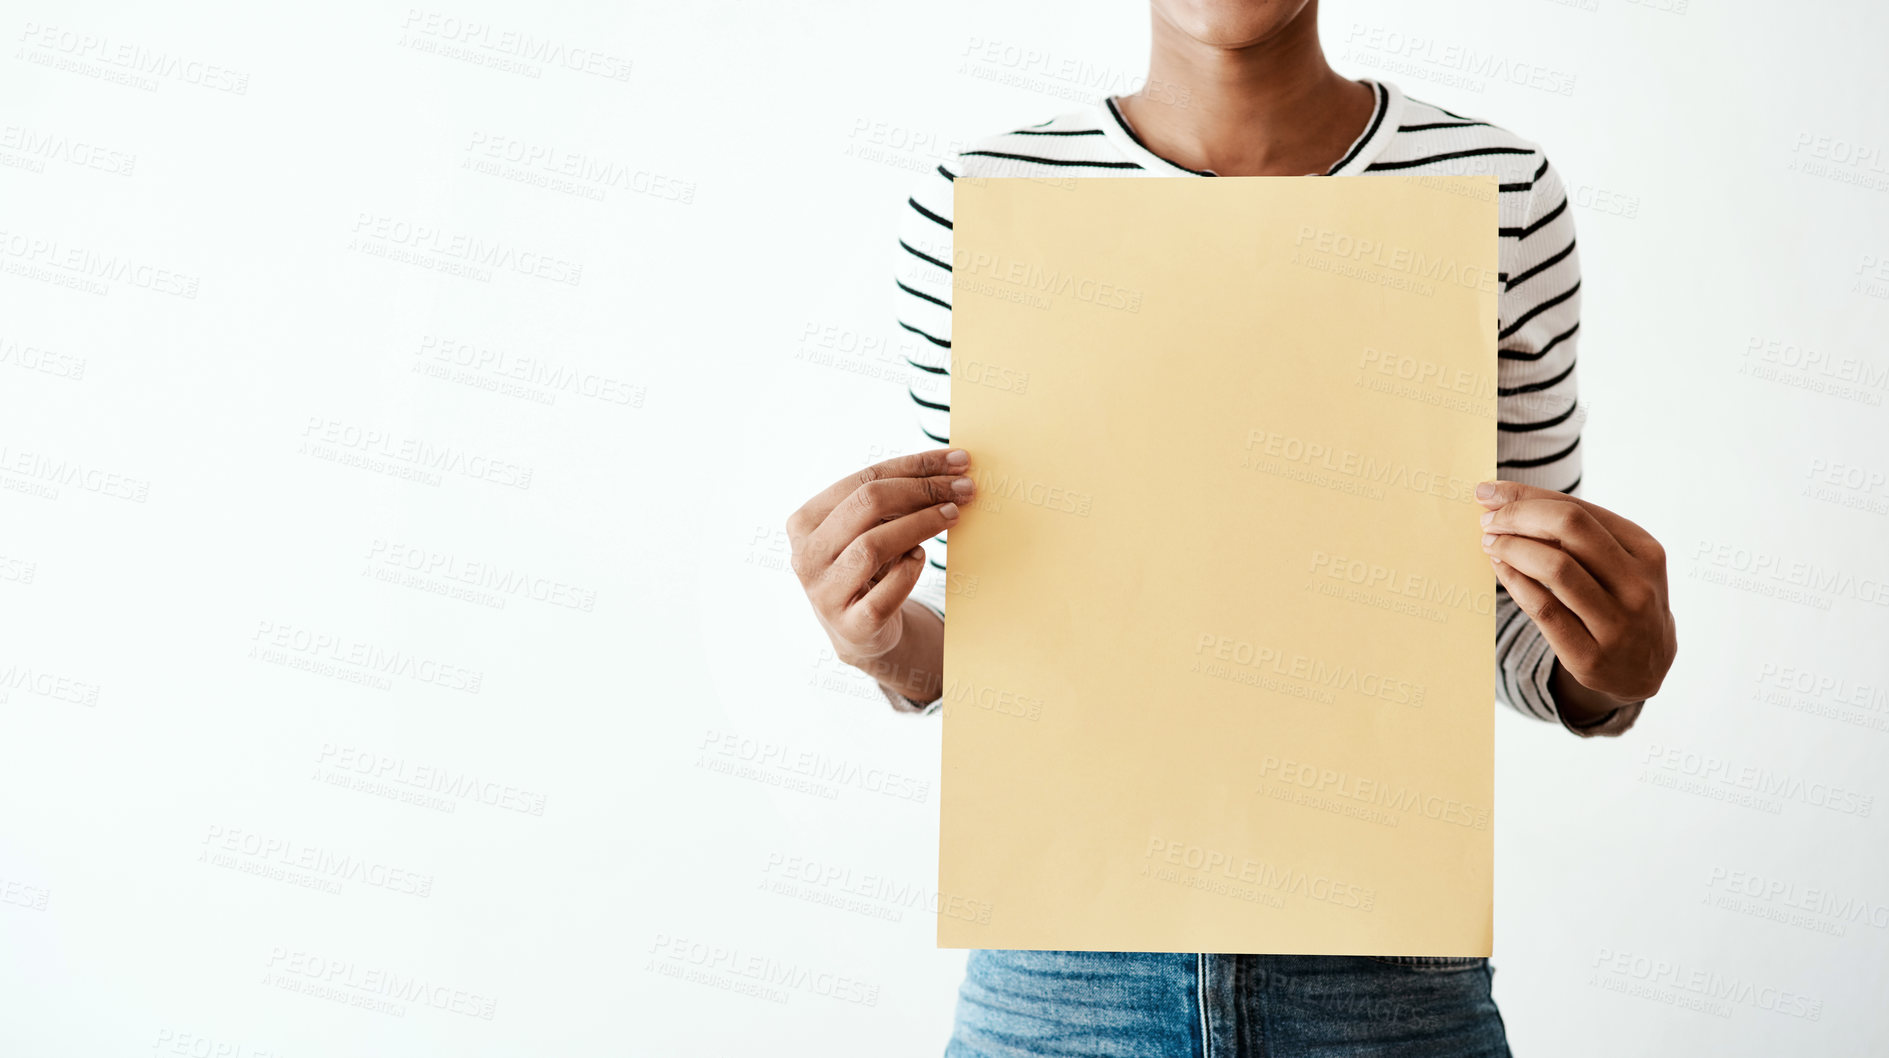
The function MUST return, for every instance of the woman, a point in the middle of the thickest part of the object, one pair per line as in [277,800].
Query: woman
[1584,636]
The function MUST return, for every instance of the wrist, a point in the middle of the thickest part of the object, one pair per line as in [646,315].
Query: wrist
[868,656]
[910,663]
[858,659]
[1578,704]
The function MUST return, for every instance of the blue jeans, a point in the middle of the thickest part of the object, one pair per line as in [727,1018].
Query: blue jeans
[1025,1004]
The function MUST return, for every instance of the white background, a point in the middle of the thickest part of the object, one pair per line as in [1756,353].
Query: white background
[209,519]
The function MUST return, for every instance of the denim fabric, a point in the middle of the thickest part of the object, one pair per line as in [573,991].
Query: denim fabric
[1025,1004]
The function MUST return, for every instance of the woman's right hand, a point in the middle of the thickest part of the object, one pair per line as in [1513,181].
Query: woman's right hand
[856,545]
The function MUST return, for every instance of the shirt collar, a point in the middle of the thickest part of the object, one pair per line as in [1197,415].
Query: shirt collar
[1363,150]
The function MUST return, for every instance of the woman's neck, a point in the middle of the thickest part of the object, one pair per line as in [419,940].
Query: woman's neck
[1271,107]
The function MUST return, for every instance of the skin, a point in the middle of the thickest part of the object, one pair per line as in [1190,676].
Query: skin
[1260,100]
[1594,583]
[856,551]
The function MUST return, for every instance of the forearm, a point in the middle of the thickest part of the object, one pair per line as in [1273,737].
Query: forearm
[915,667]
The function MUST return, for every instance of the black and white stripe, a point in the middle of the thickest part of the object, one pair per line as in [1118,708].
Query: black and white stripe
[1539,428]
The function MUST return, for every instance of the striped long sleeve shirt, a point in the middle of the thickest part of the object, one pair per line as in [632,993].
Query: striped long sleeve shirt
[1538,310]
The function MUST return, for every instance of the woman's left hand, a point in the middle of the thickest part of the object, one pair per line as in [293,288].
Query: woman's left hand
[1592,581]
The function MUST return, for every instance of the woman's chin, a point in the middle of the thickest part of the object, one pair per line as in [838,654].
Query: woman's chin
[1230,23]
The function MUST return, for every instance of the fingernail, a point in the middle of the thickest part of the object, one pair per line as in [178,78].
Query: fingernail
[1487,540]
[1485,491]
[917,553]
[949,510]
[957,457]
[963,487]
[1487,518]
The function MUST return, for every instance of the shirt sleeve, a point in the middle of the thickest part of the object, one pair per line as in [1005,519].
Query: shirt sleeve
[922,308]
[1538,440]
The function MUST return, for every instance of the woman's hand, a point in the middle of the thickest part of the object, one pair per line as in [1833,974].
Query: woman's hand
[856,546]
[1592,581]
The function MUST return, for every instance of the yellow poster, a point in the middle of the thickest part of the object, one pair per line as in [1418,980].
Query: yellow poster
[1220,642]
